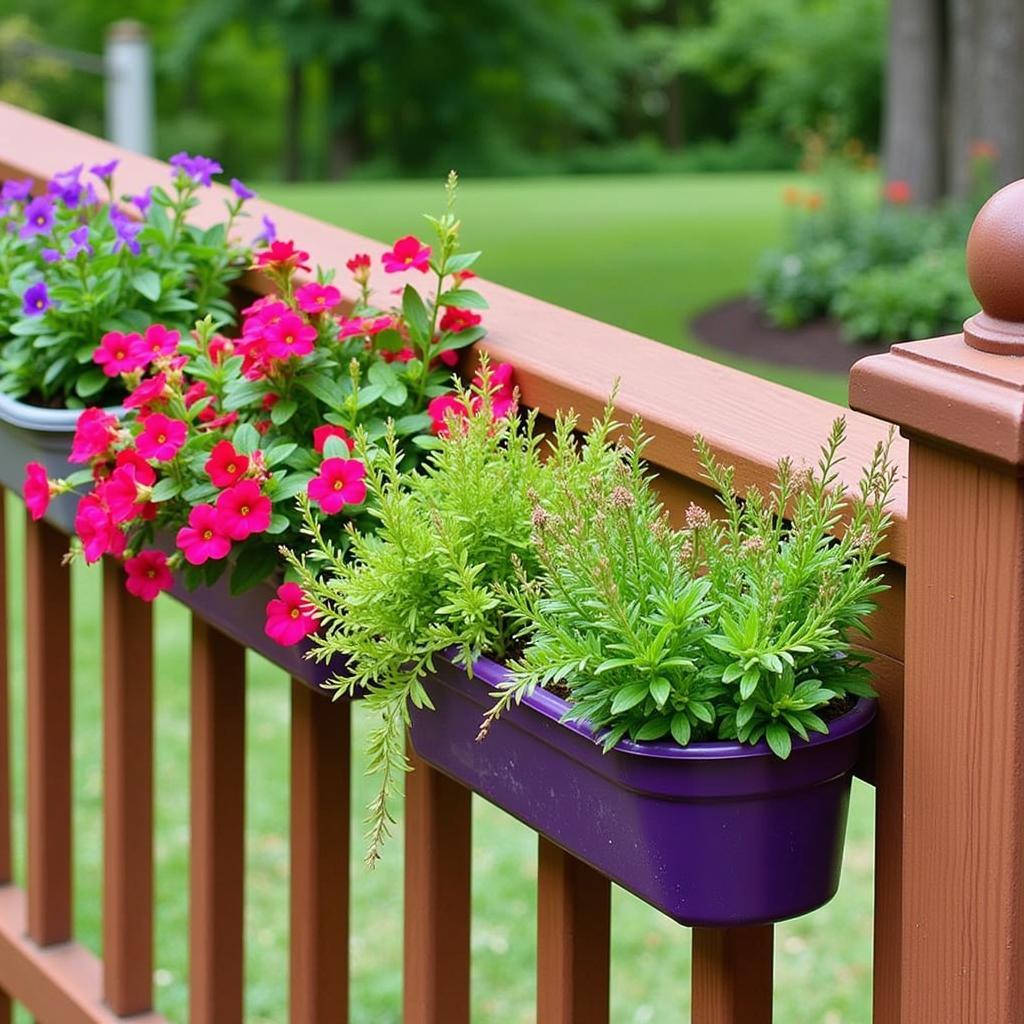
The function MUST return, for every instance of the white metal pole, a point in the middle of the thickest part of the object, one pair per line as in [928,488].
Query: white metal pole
[129,86]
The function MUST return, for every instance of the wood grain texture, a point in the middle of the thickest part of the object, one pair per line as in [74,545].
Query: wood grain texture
[732,975]
[963,861]
[320,841]
[48,739]
[437,898]
[573,939]
[751,422]
[127,796]
[216,905]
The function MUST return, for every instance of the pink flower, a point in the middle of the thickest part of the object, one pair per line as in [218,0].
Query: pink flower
[148,392]
[407,253]
[95,431]
[456,320]
[242,510]
[364,325]
[291,336]
[148,574]
[201,539]
[161,438]
[502,380]
[442,409]
[36,490]
[317,298]
[359,267]
[340,483]
[120,353]
[321,434]
[449,357]
[403,355]
[121,495]
[144,472]
[158,341]
[96,530]
[282,254]
[220,348]
[225,466]
[289,615]
[898,192]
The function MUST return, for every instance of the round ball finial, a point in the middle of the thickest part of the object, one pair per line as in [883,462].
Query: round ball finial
[995,268]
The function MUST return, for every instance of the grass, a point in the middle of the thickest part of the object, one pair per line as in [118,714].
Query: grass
[645,253]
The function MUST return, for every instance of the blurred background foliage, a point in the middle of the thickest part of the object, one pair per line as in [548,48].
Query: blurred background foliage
[328,89]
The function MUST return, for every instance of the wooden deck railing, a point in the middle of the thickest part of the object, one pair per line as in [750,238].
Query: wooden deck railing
[948,907]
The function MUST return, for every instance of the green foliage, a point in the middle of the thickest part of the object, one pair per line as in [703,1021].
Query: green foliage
[736,629]
[427,579]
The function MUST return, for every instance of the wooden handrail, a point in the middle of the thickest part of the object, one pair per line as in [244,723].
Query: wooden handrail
[563,359]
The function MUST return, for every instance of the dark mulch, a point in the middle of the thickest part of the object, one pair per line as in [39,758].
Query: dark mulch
[739,326]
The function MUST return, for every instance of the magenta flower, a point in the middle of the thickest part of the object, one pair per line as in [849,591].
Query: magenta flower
[317,298]
[161,438]
[96,530]
[289,615]
[120,353]
[38,217]
[147,575]
[242,510]
[408,253]
[201,540]
[158,341]
[36,490]
[340,483]
[321,434]
[95,432]
[148,392]
[226,466]
[121,495]
[36,300]
[290,336]
[279,255]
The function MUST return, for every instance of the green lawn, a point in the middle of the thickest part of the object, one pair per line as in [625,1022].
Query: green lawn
[645,253]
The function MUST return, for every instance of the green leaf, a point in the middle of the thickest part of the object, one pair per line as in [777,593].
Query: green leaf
[779,740]
[91,383]
[413,423]
[681,728]
[661,690]
[461,261]
[324,388]
[629,696]
[416,317]
[748,684]
[463,298]
[254,565]
[289,486]
[147,283]
[460,340]
[335,448]
[279,452]
[165,489]
[278,523]
[246,439]
[282,411]
[653,730]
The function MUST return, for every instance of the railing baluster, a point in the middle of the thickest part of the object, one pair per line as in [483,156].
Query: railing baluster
[573,926]
[732,975]
[127,796]
[6,865]
[216,913]
[320,841]
[48,680]
[437,898]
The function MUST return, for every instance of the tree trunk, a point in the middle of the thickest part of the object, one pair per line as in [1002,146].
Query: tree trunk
[1000,77]
[962,102]
[674,86]
[294,108]
[913,145]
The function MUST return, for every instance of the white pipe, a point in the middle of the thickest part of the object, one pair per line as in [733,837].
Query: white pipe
[129,86]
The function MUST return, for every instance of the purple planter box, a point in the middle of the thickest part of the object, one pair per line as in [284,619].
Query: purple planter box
[714,834]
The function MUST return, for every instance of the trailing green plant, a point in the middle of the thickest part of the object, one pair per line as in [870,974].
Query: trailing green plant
[427,579]
[732,629]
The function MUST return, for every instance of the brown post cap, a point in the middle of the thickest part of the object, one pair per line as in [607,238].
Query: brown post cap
[995,266]
[965,391]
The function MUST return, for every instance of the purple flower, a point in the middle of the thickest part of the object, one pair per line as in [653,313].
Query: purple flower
[36,300]
[106,170]
[15,191]
[50,255]
[269,232]
[126,236]
[241,191]
[142,202]
[38,217]
[79,242]
[66,186]
[199,168]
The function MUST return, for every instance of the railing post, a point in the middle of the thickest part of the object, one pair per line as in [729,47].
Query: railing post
[960,401]
[731,978]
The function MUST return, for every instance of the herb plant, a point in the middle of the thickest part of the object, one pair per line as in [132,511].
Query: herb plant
[78,262]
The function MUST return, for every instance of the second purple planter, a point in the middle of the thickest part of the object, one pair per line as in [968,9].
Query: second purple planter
[713,834]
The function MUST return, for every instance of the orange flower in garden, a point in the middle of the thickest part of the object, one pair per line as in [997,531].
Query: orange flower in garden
[814,201]
[898,192]
[983,149]
[792,196]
